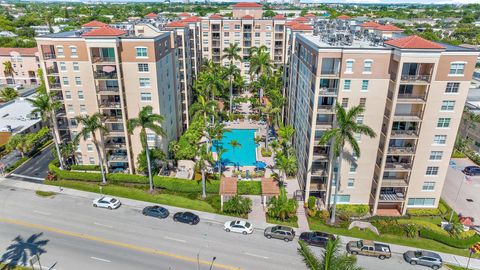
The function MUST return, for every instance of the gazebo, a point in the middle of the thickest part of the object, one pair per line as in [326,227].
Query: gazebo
[270,189]
[228,189]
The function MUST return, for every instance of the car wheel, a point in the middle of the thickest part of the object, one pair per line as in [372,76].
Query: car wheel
[413,262]
[286,239]
[227,230]
[354,253]
[381,257]
[174,219]
[191,223]
[109,208]
[435,267]
[95,205]
[244,233]
[269,236]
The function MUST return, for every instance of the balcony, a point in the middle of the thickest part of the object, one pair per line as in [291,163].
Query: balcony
[415,78]
[116,132]
[115,145]
[318,187]
[57,97]
[52,70]
[401,150]
[394,182]
[325,109]
[395,195]
[110,104]
[112,118]
[323,124]
[404,134]
[107,90]
[103,59]
[320,153]
[328,91]
[55,86]
[278,36]
[60,112]
[118,158]
[408,116]
[411,98]
[319,170]
[101,75]
[398,166]
[49,56]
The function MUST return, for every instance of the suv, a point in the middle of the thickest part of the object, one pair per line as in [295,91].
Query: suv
[471,170]
[369,248]
[318,239]
[280,232]
[422,257]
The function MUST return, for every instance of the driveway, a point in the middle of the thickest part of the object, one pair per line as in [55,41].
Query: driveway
[467,188]
[36,169]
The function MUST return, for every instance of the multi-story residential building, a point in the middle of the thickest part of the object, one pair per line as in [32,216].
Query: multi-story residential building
[100,69]
[469,128]
[25,63]
[412,90]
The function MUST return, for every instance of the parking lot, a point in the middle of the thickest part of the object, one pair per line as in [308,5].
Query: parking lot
[467,189]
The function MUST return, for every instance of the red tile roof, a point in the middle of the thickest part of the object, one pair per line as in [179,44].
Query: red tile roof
[192,19]
[301,27]
[248,17]
[301,19]
[184,14]
[389,28]
[105,31]
[94,24]
[215,16]
[279,17]
[176,24]
[413,42]
[309,15]
[21,51]
[247,5]
[291,23]
[370,25]
[151,15]
[343,17]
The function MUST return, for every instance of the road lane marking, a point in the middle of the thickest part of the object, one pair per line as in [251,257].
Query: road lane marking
[41,213]
[103,225]
[115,243]
[27,177]
[255,255]
[100,259]
[175,239]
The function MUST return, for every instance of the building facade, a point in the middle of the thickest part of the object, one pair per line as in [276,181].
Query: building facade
[25,64]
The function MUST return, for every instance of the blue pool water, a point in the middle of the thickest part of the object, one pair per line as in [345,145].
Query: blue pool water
[241,156]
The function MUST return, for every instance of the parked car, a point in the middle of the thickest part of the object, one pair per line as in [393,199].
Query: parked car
[107,202]
[422,257]
[369,248]
[155,211]
[238,226]
[471,170]
[186,217]
[280,232]
[318,239]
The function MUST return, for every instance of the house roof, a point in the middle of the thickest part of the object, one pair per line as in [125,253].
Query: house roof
[216,16]
[248,17]
[370,25]
[104,31]
[291,23]
[184,14]
[151,15]
[192,19]
[389,27]
[413,42]
[94,24]
[343,17]
[176,24]
[301,19]
[247,5]
[228,186]
[21,51]
[301,27]
[270,187]
[279,17]
[309,15]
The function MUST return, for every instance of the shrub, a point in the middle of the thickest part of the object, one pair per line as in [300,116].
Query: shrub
[458,154]
[238,205]
[16,164]
[424,212]
[448,240]
[324,215]
[85,167]
[255,117]
[44,193]
[266,152]
[281,207]
[312,206]
[411,230]
[353,210]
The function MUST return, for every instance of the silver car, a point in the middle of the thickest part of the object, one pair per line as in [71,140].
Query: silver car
[425,258]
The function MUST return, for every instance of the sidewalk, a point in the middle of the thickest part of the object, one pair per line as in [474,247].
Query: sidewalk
[213,218]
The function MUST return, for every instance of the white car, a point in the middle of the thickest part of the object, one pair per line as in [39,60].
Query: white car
[107,202]
[238,226]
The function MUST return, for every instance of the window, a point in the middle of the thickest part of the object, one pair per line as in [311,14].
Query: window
[360,119]
[70,108]
[351,182]
[432,170]
[448,105]
[452,87]
[367,66]
[358,137]
[344,102]
[428,186]
[341,199]
[73,51]
[142,67]
[65,80]
[144,82]
[443,122]
[436,155]
[347,84]
[353,168]
[237,34]
[91,160]
[421,201]
[237,26]
[268,34]
[76,67]
[63,67]
[68,95]
[349,66]
[363,102]
[145,96]
[364,85]
[83,109]
[440,139]
[80,95]
[268,27]
[226,27]
[78,81]
[226,34]
[457,68]
[141,52]
[257,34]
[60,51]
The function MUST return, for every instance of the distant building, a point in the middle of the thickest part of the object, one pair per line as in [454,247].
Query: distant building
[25,63]
[468,128]
[7,34]
[41,30]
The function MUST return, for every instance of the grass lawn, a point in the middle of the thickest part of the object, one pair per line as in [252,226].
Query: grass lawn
[44,193]
[16,267]
[317,225]
[454,267]
[291,222]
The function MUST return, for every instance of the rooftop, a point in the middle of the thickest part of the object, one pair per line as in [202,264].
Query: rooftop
[105,31]
[16,115]
[247,5]
[94,24]
[413,42]
[21,51]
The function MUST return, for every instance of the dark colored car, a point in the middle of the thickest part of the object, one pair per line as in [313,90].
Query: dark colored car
[318,239]
[155,211]
[186,217]
[471,170]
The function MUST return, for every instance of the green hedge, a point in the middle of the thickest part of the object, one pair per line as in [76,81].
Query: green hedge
[424,212]
[449,240]
[85,167]
[353,210]
[16,164]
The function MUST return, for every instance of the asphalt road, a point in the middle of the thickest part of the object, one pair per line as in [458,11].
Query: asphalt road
[37,167]
[82,237]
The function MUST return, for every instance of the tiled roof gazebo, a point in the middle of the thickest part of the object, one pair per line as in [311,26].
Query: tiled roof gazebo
[228,188]
[270,188]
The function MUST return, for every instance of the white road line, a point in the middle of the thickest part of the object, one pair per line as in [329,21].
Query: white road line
[103,225]
[100,259]
[41,213]
[175,239]
[255,255]
[27,177]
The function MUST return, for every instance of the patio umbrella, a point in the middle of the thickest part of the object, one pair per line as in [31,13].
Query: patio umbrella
[108,69]
[261,165]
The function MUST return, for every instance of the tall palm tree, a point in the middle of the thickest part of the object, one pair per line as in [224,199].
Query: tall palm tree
[7,94]
[235,144]
[220,151]
[272,114]
[260,63]
[332,258]
[146,119]
[286,133]
[9,70]
[90,126]
[231,71]
[232,53]
[203,108]
[202,160]
[343,133]
[46,107]
[287,164]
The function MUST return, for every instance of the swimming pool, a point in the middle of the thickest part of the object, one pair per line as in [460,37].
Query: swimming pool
[241,156]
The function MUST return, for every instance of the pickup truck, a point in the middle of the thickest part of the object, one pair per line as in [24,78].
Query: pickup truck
[369,248]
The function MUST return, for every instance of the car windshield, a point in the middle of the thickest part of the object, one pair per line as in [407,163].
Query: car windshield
[247,225]
[418,254]
[232,223]
[360,244]
[113,200]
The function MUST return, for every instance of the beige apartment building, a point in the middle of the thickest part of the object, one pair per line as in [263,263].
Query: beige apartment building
[100,69]
[25,64]
[413,92]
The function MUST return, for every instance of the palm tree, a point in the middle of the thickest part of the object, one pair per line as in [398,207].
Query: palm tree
[7,94]
[332,258]
[281,207]
[271,114]
[203,108]
[202,160]
[235,144]
[287,164]
[232,52]
[231,71]
[260,63]
[286,133]
[9,70]
[220,151]
[344,133]
[90,126]
[19,142]
[46,107]
[147,120]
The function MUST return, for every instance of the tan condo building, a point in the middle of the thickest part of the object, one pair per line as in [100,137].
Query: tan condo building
[25,63]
